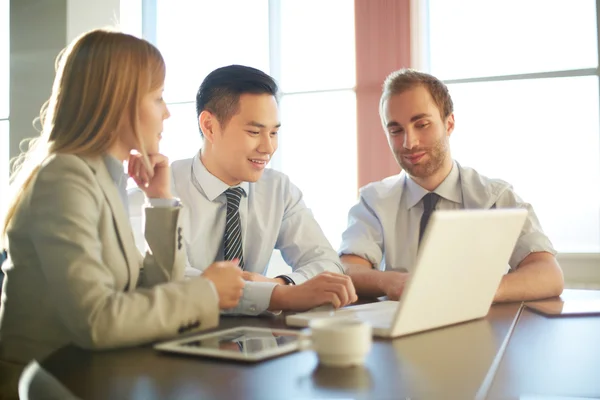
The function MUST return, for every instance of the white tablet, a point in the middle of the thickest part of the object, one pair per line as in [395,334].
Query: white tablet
[244,343]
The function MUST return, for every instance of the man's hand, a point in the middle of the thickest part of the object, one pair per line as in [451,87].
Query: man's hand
[371,282]
[155,178]
[325,288]
[393,283]
[227,278]
[256,277]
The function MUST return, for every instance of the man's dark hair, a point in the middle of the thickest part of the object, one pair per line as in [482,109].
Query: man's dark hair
[220,91]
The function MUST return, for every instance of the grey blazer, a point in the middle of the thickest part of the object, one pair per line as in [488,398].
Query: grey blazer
[74,274]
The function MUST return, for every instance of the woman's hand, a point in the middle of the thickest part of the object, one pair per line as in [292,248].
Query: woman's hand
[154,178]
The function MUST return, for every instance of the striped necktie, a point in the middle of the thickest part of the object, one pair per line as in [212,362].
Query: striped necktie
[429,202]
[232,243]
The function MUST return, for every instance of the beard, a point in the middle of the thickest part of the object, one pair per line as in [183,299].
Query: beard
[436,155]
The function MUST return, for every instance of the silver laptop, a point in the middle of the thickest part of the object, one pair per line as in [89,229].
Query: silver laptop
[462,258]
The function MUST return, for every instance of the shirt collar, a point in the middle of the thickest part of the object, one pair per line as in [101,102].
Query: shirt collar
[212,186]
[115,170]
[449,189]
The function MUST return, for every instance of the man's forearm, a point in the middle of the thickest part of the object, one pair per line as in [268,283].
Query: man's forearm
[279,298]
[539,276]
[367,281]
[313,268]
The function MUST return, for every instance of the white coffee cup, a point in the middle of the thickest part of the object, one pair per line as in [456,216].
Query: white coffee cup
[341,342]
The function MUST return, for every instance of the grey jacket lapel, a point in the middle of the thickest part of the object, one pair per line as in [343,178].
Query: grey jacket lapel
[123,228]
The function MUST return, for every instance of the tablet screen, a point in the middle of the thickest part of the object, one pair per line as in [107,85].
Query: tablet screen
[243,343]
[244,340]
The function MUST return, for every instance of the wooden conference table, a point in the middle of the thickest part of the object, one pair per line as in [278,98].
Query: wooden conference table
[543,357]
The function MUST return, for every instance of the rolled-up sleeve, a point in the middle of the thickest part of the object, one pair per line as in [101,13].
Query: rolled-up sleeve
[532,238]
[364,235]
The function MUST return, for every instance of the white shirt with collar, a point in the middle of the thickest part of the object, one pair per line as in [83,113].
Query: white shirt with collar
[383,227]
[118,176]
[273,216]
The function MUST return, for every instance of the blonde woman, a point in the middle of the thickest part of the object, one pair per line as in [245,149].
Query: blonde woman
[74,275]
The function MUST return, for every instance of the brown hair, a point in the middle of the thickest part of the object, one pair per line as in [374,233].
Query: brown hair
[402,80]
[100,80]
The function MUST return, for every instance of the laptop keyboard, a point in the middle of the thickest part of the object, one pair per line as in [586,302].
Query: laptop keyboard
[378,319]
[379,315]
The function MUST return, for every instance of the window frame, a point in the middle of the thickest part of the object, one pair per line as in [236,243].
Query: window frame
[581,270]
[149,32]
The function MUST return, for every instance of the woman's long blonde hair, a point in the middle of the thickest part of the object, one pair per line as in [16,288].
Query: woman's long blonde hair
[100,80]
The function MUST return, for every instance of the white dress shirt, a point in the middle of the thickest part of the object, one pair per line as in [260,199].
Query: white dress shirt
[119,177]
[273,216]
[383,227]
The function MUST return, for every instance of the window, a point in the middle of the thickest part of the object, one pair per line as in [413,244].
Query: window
[473,38]
[319,155]
[523,77]
[318,134]
[130,17]
[196,37]
[315,69]
[200,36]
[181,137]
[317,45]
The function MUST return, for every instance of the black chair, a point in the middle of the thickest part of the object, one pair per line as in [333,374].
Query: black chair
[36,383]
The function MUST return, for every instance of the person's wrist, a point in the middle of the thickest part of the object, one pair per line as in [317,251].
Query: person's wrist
[158,194]
[384,281]
[285,280]
[280,297]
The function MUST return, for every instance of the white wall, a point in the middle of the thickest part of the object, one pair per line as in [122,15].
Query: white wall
[39,30]
[83,15]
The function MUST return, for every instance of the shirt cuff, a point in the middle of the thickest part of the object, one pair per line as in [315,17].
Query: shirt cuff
[163,203]
[255,300]
[299,278]
[191,272]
